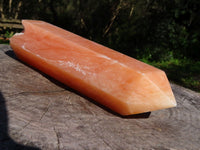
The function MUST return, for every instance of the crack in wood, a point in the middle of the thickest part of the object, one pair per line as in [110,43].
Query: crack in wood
[20,130]
[46,110]
[25,126]
[57,136]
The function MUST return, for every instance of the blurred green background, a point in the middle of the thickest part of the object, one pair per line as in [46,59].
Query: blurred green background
[163,33]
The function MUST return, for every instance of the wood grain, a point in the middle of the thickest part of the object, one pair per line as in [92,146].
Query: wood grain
[36,112]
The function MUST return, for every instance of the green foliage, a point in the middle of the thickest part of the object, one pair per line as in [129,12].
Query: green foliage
[5,37]
[8,34]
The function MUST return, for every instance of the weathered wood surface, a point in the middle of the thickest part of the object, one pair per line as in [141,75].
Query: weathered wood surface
[36,112]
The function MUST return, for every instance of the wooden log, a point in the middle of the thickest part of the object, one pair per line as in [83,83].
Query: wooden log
[37,112]
[11,25]
[16,21]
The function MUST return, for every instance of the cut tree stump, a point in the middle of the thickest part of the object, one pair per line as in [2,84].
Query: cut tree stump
[39,113]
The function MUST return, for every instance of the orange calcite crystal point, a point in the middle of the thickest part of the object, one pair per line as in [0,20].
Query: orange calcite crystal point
[121,83]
